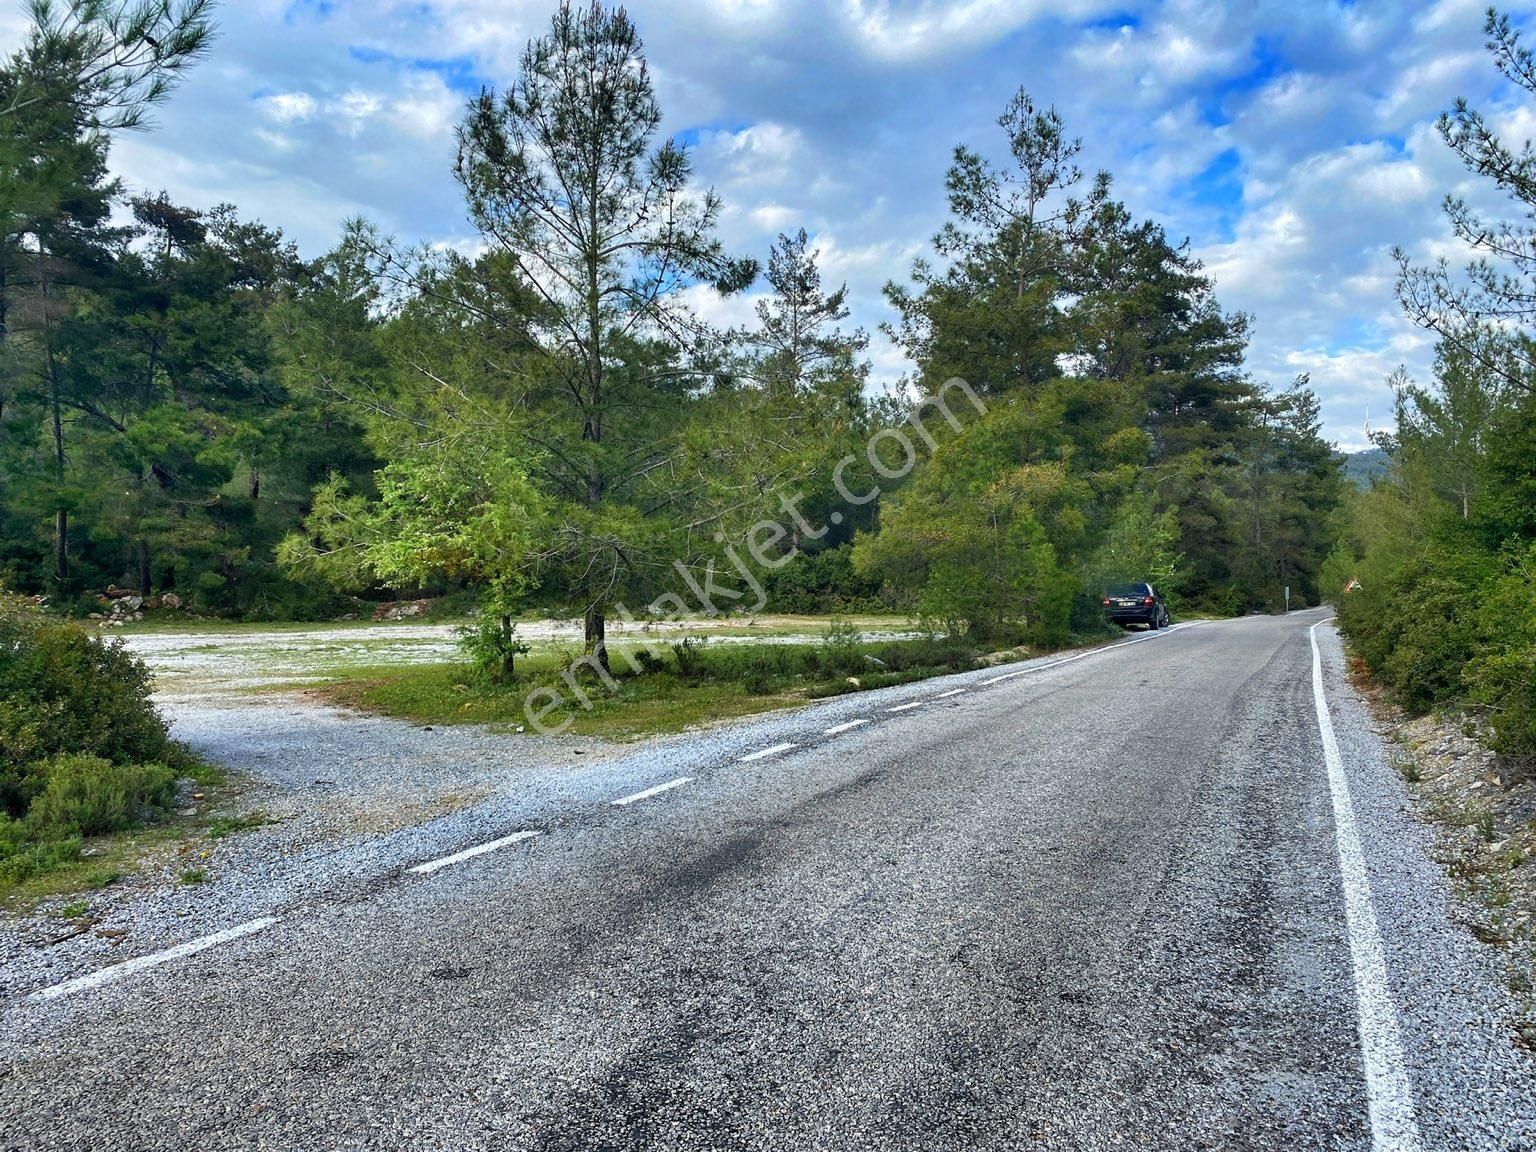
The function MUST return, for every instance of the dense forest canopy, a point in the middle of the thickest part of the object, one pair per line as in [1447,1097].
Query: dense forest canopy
[188,407]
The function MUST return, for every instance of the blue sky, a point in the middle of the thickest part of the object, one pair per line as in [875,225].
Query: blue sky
[1293,143]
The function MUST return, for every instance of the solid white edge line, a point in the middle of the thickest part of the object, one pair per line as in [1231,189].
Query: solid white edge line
[470,853]
[905,707]
[1389,1097]
[836,728]
[951,692]
[139,963]
[763,753]
[649,792]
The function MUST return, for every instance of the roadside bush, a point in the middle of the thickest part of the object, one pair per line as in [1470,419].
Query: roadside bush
[63,691]
[89,796]
[1416,624]
[840,649]
[22,856]
[1501,679]
[491,644]
[82,750]
[688,655]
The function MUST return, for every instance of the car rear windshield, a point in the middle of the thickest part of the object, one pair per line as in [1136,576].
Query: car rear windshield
[1127,589]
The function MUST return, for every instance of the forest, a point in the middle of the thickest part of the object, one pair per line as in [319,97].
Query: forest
[192,409]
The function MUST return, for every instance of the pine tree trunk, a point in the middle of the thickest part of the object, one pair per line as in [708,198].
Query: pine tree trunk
[144,580]
[61,545]
[597,637]
[509,657]
[60,516]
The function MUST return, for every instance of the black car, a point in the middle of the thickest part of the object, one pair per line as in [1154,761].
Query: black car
[1127,604]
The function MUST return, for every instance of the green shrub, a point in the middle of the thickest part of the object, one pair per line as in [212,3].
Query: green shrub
[89,796]
[689,658]
[64,692]
[1501,678]
[82,750]
[841,652]
[816,583]
[21,859]
[491,644]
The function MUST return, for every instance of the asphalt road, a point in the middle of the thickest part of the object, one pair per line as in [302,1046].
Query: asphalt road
[1096,905]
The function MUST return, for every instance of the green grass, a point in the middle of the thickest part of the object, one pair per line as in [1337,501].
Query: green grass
[221,826]
[66,866]
[194,876]
[682,686]
[71,872]
[438,694]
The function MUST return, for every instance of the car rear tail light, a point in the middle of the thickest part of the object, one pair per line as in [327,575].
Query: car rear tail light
[1106,601]
[1147,600]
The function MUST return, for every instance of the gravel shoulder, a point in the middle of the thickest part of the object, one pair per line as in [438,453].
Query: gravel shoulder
[1475,1087]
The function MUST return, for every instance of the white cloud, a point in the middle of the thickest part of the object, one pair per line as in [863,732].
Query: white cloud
[288,107]
[906,32]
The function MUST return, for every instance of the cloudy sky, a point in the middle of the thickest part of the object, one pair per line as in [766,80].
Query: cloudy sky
[1293,142]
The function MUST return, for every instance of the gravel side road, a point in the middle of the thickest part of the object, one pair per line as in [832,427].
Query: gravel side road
[1089,902]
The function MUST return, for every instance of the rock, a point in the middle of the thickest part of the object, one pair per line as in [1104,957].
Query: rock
[170,600]
[133,603]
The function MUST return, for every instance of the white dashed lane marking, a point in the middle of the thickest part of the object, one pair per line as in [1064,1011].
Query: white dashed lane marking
[470,853]
[1391,1107]
[649,792]
[764,753]
[138,964]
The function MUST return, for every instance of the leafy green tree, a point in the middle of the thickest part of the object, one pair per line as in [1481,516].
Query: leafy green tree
[1447,430]
[983,534]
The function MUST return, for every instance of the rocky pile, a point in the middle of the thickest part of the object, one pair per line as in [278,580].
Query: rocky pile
[121,606]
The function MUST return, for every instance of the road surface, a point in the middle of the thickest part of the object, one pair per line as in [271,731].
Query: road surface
[1131,899]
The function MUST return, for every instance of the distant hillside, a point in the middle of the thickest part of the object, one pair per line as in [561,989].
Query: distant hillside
[1363,467]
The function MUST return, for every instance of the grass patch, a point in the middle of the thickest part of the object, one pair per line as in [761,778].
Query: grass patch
[682,684]
[440,694]
[194,876]
[65,865]
[222,826]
